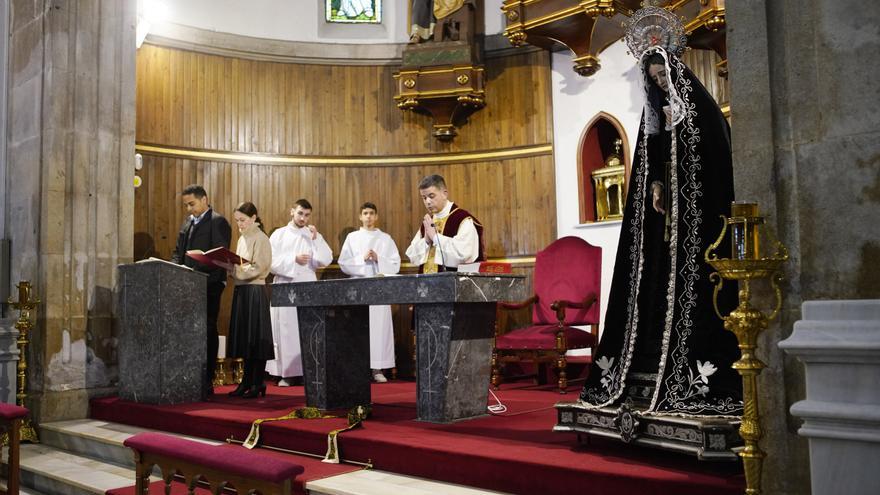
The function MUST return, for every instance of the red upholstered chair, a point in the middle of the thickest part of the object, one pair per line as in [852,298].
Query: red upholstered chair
[567,284]
[10,421]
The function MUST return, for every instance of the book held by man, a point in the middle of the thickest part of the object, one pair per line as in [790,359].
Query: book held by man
[212,256]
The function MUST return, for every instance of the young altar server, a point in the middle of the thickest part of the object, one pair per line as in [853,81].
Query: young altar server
[366,253]
[298,249]
[449,235]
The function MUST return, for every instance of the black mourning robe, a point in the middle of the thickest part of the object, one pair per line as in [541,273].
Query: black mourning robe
[660,322]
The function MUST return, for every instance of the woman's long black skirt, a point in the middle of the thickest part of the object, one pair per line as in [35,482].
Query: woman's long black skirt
[250,326]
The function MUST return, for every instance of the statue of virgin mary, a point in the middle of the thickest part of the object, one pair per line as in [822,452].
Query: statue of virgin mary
[664,349]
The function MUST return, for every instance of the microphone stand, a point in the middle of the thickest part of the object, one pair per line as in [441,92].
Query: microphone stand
[439,248]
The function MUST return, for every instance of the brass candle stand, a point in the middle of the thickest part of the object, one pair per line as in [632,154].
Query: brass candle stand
[237,370]
[220,373]
[747,321]
[26,303]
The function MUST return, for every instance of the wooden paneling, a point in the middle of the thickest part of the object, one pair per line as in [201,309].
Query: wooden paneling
[193,100]
[513,199]
[702,64]
[207,101]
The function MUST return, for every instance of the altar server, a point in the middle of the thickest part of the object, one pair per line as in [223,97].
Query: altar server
[369,252]
[298,250]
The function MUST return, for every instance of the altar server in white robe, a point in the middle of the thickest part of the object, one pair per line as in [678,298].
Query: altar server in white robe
[366,253]
[298,250]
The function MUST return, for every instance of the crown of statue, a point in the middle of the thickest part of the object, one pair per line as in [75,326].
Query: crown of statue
[653,26]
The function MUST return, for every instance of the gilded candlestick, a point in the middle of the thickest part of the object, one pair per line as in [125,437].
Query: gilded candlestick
[747,321]
[26,303]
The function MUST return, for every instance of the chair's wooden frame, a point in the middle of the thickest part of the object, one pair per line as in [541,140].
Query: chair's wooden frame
[542,356]
[13,476]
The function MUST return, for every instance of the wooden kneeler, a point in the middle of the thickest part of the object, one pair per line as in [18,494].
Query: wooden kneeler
[220,466]
[10,420]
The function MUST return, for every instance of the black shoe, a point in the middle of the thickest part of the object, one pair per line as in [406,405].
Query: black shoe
[239,391]
[255,392]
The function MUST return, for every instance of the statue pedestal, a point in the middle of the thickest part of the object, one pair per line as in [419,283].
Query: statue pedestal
[839,344]
[162,333]
[455,325]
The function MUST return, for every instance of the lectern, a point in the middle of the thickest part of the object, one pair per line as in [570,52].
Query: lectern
[162,333]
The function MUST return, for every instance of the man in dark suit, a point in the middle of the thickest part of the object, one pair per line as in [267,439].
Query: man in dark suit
[204,229]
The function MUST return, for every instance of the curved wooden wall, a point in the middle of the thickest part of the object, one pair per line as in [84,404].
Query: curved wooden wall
[315,112]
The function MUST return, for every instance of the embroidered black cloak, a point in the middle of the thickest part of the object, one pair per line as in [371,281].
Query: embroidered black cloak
[660,322]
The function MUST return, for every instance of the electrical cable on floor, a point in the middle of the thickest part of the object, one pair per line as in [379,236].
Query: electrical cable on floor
[497,408]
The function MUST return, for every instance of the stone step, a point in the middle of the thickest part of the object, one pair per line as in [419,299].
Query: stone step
[23,490]
[96,439]
[50,470]
[372,482]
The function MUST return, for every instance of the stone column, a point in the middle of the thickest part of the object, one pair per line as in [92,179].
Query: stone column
[839,344]
[805,121]
[70,198]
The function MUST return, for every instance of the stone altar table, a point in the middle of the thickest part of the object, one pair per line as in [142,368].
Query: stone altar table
[455,324]
[162,333]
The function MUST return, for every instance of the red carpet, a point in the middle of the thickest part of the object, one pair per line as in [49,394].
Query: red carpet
[515,452]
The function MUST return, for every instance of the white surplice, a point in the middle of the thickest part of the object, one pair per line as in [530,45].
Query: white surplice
[288,242]
[351,261]
[463,247]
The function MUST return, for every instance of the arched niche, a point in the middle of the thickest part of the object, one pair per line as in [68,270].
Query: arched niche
[595,146]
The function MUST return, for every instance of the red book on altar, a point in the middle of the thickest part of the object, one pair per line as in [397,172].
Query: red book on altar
[490,267]
[220,254]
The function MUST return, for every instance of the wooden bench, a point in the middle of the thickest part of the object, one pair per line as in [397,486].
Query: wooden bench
[10,420]
[220,466]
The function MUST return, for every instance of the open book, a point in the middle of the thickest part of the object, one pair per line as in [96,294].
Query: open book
[220,254]
[152,259]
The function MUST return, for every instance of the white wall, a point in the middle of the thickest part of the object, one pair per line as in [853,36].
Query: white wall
[614,89]
[300,20]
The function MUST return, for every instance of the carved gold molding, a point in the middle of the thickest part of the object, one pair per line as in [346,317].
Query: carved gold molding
[352,161]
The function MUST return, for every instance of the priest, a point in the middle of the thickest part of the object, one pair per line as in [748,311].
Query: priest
[449,235]
[369,252]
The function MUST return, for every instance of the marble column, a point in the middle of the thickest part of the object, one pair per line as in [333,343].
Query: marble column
[805,124]
[838,343]
[8,360]
[70,198]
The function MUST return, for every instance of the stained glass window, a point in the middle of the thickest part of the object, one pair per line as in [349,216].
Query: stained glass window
[358,11]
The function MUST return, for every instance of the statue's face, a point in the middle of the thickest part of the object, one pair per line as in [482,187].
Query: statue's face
[658,74]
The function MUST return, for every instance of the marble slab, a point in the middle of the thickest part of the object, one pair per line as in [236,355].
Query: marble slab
[162,333]
[454,349]
[335,345]
[402,289]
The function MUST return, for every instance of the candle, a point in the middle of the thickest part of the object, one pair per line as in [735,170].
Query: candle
[24,292]
[221,349]
[744,220]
